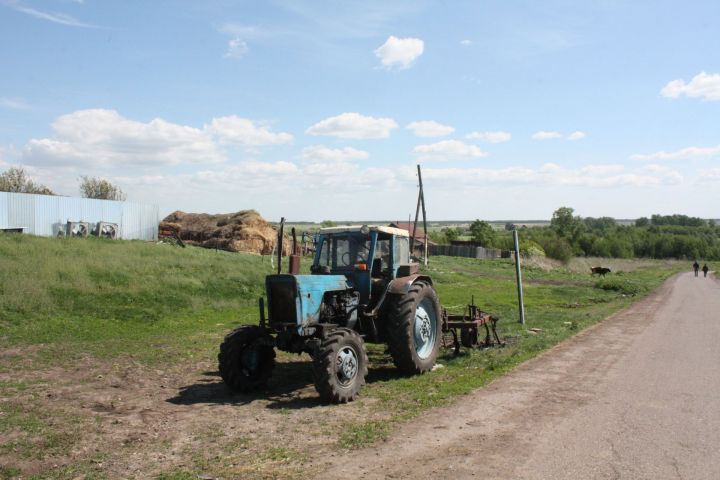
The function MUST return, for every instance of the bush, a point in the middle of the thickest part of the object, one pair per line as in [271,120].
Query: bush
[620,285]
[530,248]
[16,180]
[558,248]
[100,189]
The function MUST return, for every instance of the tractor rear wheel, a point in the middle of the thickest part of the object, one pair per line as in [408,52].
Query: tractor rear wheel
[340,365]
[245,360]
[414,328]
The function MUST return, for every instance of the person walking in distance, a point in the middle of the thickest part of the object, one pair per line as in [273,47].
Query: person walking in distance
[696,267]
[705,269]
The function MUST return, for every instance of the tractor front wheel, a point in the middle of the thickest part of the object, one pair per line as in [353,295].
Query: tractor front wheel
[414,328]
[246,360]
[340,365]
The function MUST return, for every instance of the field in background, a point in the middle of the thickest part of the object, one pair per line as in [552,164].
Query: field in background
[108,357]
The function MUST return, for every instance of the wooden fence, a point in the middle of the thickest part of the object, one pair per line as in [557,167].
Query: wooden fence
[467,251]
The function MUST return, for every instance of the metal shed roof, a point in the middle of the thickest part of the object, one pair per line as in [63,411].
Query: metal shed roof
[373,228]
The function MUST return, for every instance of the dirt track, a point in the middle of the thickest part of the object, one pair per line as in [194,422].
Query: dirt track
[633,397]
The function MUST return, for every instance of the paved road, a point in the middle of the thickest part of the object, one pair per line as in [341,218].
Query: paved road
[635,397]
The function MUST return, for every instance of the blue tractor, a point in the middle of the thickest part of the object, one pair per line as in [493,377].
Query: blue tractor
[362,288]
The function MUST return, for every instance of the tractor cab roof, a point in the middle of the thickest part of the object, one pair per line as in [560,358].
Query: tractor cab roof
[398,232]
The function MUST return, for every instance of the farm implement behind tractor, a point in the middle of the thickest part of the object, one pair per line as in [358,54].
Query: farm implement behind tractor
[467,328]
[363,287]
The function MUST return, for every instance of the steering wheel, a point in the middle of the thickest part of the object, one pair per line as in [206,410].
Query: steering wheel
[343,258]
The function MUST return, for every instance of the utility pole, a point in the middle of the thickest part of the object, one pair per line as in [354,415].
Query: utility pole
[519,277]
[422,198]
[417,213]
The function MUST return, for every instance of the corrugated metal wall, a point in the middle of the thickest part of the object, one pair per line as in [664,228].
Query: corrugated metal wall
[45,215]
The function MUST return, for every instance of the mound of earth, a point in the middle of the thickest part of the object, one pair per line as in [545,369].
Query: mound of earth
[244,231]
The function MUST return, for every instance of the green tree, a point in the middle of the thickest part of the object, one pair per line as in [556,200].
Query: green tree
[482,232]
[602,224]
[327,223]
[565,224]
[16,180]
[452,234]
[100,189]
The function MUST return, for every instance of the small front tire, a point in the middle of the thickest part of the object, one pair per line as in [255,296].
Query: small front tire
[246,359]
[340,365]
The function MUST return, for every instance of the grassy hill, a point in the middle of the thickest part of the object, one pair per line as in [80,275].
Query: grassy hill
[106,294]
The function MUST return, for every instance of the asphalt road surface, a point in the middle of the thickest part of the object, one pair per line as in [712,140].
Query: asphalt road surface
[634,397]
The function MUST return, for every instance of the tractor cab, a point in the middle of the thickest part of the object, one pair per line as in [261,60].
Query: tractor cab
[368,256]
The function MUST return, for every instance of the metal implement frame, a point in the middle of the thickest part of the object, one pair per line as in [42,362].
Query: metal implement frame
[468,324]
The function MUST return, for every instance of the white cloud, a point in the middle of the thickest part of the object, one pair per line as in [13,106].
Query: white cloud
[601,169]
[490,137]
[237,48]
[683,153]
[430,128]
[100,137]
[329,165]
[577,135]
[544,135]
[241,131]
[321,153]
[448,150]
[711,175]
[553,175]
[465,42]
[249,169]
[353,125]
[702,85]
[13,103]
[400,52]
[54,17]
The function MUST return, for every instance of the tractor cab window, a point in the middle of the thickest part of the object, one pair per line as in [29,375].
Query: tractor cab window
[343,252]
[381,262]
[402,250]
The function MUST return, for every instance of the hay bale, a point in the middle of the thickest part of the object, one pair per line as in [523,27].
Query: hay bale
[244,231]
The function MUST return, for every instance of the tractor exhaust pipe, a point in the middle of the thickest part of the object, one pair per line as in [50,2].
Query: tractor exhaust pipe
[294,259]
[280,244]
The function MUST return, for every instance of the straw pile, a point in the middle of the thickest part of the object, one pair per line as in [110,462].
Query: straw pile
[244,231]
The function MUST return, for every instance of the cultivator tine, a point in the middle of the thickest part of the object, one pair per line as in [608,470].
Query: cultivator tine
[494,321]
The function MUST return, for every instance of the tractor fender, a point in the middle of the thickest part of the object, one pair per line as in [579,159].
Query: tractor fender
[401,285]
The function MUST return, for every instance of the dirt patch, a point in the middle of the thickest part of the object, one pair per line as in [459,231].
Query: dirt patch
[120,419]
[244,231]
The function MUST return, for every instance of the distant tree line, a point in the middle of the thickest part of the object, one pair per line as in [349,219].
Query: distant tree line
[569,235]
[17,180]
[660,236]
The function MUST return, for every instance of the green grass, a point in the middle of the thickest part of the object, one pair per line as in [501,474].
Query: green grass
[110,298]
[155,304]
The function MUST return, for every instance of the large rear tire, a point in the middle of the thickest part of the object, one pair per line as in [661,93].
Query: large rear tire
[414,328]
[246,361]
[340,366]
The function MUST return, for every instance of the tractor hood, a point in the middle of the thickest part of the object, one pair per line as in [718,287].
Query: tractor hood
[296,299]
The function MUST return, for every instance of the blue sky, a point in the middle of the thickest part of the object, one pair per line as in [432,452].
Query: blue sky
[315,110]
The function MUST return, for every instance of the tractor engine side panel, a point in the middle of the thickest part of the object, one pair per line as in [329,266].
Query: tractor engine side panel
[298,298]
